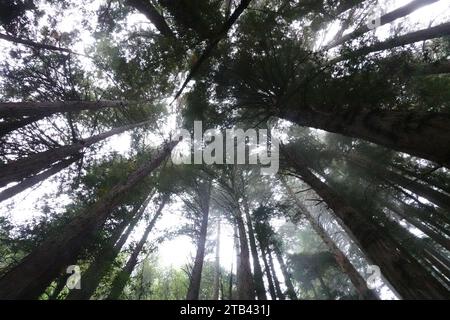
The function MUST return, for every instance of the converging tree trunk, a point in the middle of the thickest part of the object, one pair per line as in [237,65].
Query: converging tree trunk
[122,278]
[342,261]
[196,275]
[408,278]
[287,276]
[257,271]
[405,131]
[24,168]
[33,274]
[96,270]
[216,285]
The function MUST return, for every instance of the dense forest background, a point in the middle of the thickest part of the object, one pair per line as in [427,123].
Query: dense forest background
[92,205]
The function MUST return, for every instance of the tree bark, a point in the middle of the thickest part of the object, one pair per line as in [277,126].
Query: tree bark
[384,19]
[268,275]
[276,282]
[196,275]
[287,276]
[342,261]
[216,286]
[29,182]
[23,168]
[93,275]
[40,109]
[409,279]
[146,8]
[438,198]
[33,274]
[33,44]
[409,132]
[10,126]
[122,278]
[257,271]
[245,285]
[441,30]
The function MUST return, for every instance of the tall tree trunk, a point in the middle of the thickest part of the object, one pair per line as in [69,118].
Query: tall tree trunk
[122,278]
[403,131]
[196,275]
[342,261]
[216,285]
[438,198]
[257,271]
[245,285]
[213,44]
[33,274]
[40,109]
[268,275]
[23,168]
[29,182]
[287,276]
[276,282]
[12,125]
[384,19]
[33,44]
[441,30]
[409,279]
[97,269]
[60,284]
[147,9]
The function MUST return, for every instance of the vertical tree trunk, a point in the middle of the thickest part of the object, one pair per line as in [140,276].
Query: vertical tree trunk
[342,261]
[257,271]
[276,282]
[196,276]
[93,275]
[23,168]
[245,285]
[409,279]
[384,19]
[33,274]
[216,285]
[268,275]
[287,277]
[12,125]
[122,278]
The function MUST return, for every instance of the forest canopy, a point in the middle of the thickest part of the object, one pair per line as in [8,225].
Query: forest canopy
[120,179]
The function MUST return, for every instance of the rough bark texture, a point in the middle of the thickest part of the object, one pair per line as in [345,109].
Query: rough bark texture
[408,278]
[122,278]
[196,275]
[33,274]
[409,132]
[268,275]
[342,261]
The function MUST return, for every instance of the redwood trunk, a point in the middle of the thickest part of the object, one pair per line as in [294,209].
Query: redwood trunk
[33,274]
[122,278]
[409,279]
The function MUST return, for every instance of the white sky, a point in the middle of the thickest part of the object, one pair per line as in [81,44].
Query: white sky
[178,251]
